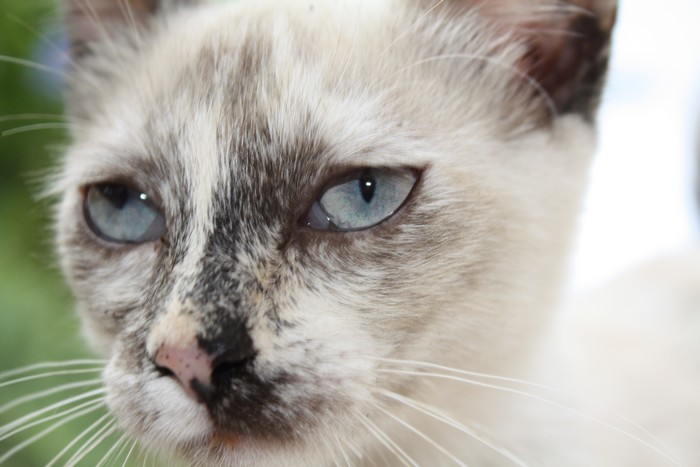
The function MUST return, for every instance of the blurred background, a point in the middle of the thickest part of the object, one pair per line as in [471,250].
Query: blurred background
[641,203]
[37,323]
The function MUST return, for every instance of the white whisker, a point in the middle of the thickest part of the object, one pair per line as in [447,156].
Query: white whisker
[128,454]
[94,441]
[342,451]
[354,450]
[124,445]
[411,27]
[37,127]
[41,394]
[422,435]
[388,442]
[44,432]
[531,384]
[49,365]
[48,418]
[627,434]
[76,439]
[20,421]
[49,375]
[69,60]
[112,450]
[89,11]
[30,64]
[433,412]
[331,451]
[527,79]
[348,60]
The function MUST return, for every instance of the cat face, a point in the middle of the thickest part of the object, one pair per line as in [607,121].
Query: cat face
[266,200]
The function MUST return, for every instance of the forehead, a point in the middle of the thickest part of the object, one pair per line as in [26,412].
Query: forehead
[223,91]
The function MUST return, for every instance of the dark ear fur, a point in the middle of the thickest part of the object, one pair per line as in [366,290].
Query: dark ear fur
[91,21]
[568,54]
[566,45]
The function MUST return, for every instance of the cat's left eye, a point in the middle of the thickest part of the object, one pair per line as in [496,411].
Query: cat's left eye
[120,214]
[362,199]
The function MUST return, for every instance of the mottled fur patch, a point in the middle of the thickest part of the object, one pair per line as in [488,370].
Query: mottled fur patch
[233,116]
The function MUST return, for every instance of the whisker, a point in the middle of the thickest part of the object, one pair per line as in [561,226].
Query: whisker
[124,446]
[33,415]
[531,384]
[38,395]
[112,450]
[128,11]
[48,418]
[433,412]
[89,11]
[49,365]
[43,433]
[65,56]
[128,454]
[37,127]
[348,59]
[76,439]
[30,64]
[627,434]
[331,451]
[422,435]
[388,442]
[409,28]
[354,450]
[527,79]
[49,375]
[342,451]
[95,440]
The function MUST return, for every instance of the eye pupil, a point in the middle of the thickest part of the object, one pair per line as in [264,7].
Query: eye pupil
[368,185]
[117,195]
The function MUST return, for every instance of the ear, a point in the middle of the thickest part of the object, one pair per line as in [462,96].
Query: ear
[568,51]
[566,45]
[91,21]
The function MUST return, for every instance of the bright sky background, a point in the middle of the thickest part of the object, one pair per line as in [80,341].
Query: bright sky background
[640,203]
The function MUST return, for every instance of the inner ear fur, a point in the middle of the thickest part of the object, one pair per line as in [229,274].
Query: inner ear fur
[567,53]
[93,21]
[566,45]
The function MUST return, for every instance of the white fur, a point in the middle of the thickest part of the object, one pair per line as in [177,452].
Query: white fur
[473,290]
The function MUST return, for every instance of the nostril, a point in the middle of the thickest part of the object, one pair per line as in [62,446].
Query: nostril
[232,350]
[164,370]
[188,365]
[229,366]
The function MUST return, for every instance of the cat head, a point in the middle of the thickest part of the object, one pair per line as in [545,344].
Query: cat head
[265,202]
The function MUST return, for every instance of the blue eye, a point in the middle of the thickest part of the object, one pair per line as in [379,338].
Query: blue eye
[120,214]
[362,199]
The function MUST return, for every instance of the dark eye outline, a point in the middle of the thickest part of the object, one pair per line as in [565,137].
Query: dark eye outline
[147,237]
[353,174]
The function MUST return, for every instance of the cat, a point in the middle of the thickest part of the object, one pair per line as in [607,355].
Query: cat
[315,232]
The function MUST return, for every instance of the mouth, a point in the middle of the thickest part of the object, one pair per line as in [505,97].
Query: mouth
[224,440]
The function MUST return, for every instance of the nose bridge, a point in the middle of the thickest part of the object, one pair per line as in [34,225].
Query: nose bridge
[179,325]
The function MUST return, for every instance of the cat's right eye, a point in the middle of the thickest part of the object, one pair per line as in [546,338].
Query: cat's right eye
[120,214]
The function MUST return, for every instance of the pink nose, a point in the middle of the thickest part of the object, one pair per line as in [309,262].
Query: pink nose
[191,366]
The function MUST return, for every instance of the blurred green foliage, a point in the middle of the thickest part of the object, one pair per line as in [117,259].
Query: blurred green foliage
[37,323]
